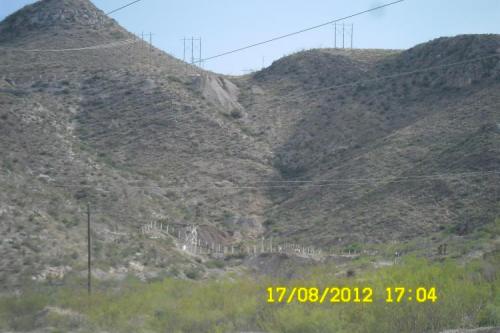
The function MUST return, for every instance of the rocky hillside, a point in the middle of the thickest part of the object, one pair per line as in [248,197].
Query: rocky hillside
[68,22]
[439,121]
[90,114]
[138,134]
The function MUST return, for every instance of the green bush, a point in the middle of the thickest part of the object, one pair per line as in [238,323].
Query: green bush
[215,264]
[468,296]
[20,313]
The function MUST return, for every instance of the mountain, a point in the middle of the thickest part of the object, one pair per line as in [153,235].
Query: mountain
[69,22]
[440,121]
[91,114]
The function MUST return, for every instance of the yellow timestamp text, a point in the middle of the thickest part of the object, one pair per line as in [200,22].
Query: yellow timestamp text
[332,295]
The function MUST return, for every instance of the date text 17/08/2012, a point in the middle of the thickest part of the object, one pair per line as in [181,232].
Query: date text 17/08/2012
[332,295]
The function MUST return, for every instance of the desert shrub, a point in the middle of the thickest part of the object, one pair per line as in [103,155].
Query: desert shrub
[467,297]
[354,247]
[20,313]
[194,273]
[215,264]
[69,222]
[236,114]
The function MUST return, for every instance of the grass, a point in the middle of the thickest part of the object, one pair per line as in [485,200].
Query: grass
[468,296]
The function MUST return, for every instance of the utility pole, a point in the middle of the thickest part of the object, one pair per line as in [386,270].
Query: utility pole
[184,54]
[335,35]
[352,33]
[89,278]
[343,35]
[194,54]
[200,64]
[151,49]
[192,50]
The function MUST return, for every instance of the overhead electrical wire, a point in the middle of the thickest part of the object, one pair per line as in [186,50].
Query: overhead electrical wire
[396,75]
[245,47]
[94,47]
[86,48]
[306,184]
[176,118]
[349,84]
[300,31]
[343,85]
[122,7]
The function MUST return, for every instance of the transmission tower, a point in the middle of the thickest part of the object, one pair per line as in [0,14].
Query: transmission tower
[345,33]
[192,45]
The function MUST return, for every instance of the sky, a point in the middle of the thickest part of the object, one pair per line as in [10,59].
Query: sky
[224,25]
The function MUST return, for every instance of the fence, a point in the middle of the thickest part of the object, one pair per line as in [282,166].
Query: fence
[189,239]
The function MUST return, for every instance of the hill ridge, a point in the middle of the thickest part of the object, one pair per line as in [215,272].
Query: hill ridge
[144,136]
[75,18]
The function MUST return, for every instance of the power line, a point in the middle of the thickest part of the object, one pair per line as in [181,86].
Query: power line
[378,78]
[93,47]
[354,83]
[122,7]
[320,183]
[343,85]
[306,184]
[396,75]
[301,31]
[391,179]
[337,86]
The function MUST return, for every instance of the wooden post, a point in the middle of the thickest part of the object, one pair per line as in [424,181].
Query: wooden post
[89,263]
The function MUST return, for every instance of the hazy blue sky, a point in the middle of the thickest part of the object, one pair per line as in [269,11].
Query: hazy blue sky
[227,24]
